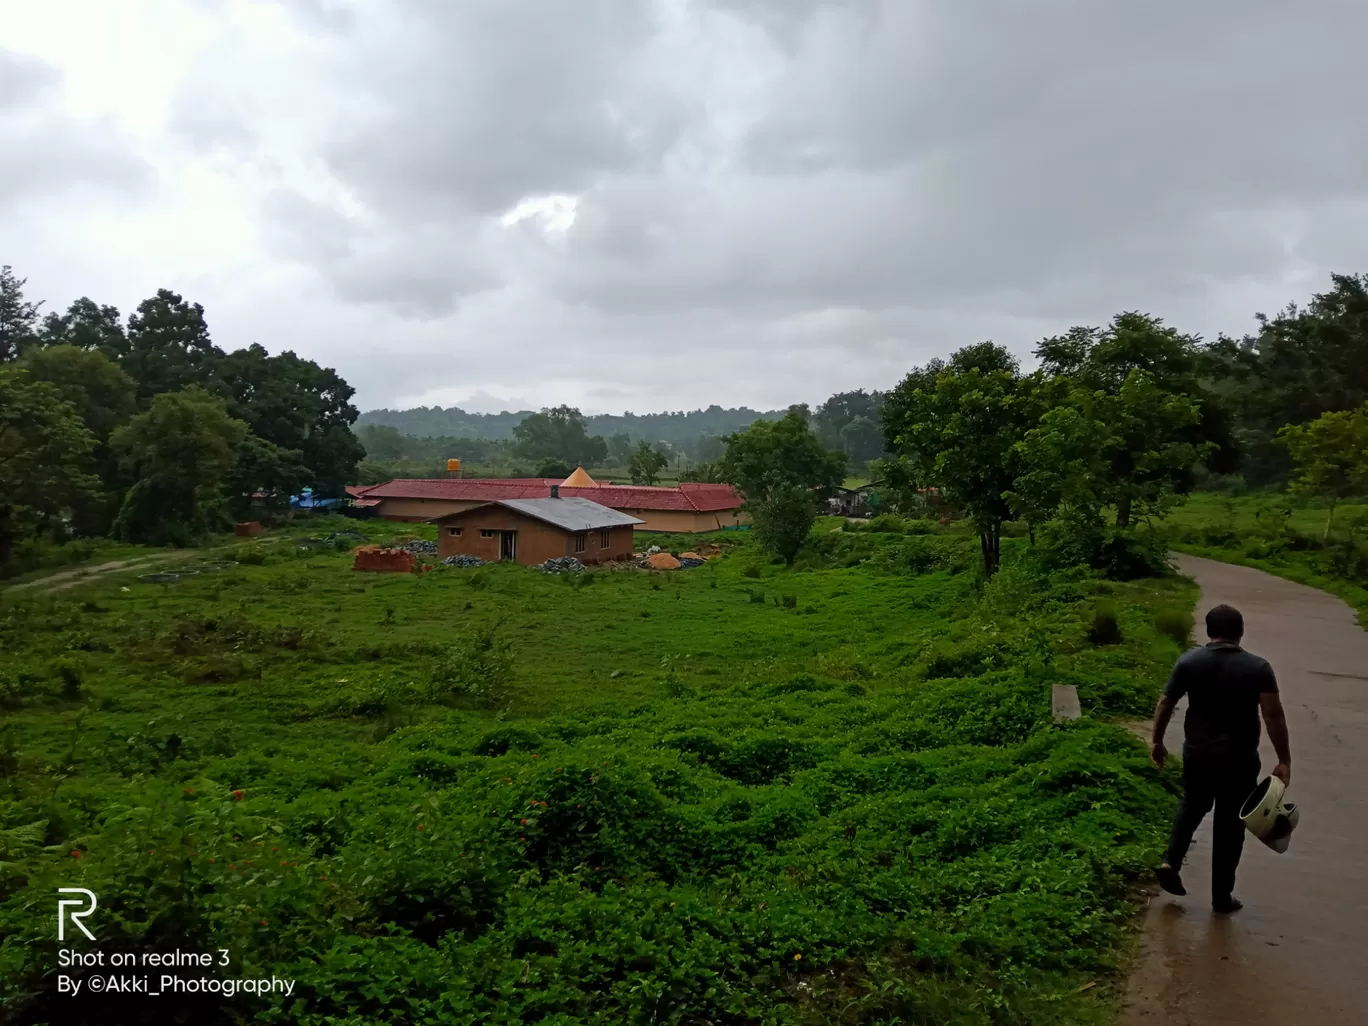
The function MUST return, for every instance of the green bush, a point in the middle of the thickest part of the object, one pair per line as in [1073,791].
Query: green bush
[1106,628]
[1175,624]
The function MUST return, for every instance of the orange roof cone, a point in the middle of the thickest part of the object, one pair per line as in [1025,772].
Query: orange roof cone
[579,479]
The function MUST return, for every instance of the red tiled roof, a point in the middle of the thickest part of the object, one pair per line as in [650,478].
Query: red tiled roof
[691,496]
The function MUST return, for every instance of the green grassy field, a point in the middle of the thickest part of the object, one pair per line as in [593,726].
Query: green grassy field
[1283,535]
[736,793]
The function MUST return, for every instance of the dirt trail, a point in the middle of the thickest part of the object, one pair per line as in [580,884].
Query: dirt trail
[1298,952]
[70,578]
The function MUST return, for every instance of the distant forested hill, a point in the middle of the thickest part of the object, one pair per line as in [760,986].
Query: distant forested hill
[681,429]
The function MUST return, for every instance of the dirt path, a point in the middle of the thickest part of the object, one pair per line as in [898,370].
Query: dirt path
[70,578]
[1298,952]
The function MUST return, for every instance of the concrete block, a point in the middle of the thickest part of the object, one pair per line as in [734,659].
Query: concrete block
[1064,702]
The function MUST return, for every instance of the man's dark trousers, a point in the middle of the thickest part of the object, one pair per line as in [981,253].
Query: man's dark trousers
[1223,782]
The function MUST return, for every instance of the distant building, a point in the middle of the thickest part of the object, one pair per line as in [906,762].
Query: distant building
[531,531]
[686,508]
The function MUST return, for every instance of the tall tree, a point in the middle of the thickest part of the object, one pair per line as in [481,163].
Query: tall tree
[559,433]
[646,464]
[296,405]
[1301,363]
[1130,450]
[168,345]
[1104,360]
[772,453]
[1330,457]
[17,316]
[182,451]
[44,458]
[87,325]
[956,428]
[620,448]
[263,474]
[785,473]
[104,397]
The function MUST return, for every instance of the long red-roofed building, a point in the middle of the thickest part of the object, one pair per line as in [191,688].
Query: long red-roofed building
[687,508]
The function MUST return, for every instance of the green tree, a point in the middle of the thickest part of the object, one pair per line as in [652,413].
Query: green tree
[17,316]
[382,442]
[264,474]
[783,520]
[620,449]
[554,468]
[104,397]
[44,458]
[1301,363]
[168,345]
[1330,457]
[771,454]
[646,464]
[297,405]
[1104,360]
[183,452]
[1131,450]
[87,325]
[559,433]
[956,427]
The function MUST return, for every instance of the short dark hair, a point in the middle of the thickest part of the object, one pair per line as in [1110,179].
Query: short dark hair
[1224,622]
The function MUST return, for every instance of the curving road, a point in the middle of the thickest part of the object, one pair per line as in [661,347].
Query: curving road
[1298,952]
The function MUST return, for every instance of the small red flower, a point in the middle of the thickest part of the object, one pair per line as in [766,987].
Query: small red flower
[237,797]
[211,861]
[263,922]
[283,862]
[522,822]
[420,826]
[275,849]
[508,780]
[75,854]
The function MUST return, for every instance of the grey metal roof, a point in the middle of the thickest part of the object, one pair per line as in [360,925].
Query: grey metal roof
[571,514]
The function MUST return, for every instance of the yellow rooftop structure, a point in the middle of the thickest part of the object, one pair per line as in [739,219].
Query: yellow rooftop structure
[579,479]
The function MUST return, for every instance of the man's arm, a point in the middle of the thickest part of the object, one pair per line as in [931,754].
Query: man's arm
[1163,712]
[1276,722]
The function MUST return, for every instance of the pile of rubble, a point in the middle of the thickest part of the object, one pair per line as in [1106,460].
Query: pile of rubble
[463,560]
[657,559]
[421,548]
[561,565]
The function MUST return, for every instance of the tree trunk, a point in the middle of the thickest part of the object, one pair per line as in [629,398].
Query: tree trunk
[990,545]
[1328,521]
[1123,511]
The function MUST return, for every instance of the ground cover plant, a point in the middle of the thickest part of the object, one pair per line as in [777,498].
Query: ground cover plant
[494,796]
[1282,534]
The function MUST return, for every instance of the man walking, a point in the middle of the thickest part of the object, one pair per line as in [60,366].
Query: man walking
[1227,688]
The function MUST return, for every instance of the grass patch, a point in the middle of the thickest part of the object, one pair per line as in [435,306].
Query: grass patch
[433,801]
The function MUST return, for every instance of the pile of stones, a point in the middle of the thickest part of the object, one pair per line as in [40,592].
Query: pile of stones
[561,565]
[463,560]
[421,548]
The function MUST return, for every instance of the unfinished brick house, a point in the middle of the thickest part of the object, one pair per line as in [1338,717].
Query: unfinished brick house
[531,531]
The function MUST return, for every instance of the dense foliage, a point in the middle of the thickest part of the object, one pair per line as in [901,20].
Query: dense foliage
[129,391]
[738,793]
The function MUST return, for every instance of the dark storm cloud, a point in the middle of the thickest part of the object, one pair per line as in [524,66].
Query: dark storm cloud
[42,151]
[1034,158]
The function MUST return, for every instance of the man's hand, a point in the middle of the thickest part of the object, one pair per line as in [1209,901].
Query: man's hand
[1158,753]
[1283,771]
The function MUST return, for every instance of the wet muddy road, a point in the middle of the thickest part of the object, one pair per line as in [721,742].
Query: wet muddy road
[1298,951]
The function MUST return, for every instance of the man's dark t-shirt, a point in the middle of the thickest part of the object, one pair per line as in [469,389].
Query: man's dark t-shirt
[1223,683]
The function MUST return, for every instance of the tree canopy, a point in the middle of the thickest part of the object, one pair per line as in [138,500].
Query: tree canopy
[559,433]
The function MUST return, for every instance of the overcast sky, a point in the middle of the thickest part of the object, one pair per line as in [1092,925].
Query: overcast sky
[661,204]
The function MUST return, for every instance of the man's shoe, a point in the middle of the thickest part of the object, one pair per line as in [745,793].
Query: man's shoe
[1225,906]
[1169,879]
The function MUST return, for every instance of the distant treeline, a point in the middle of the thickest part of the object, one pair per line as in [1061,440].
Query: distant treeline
[679,430]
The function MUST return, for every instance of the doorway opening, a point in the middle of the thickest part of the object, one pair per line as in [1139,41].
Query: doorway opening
[508,545]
